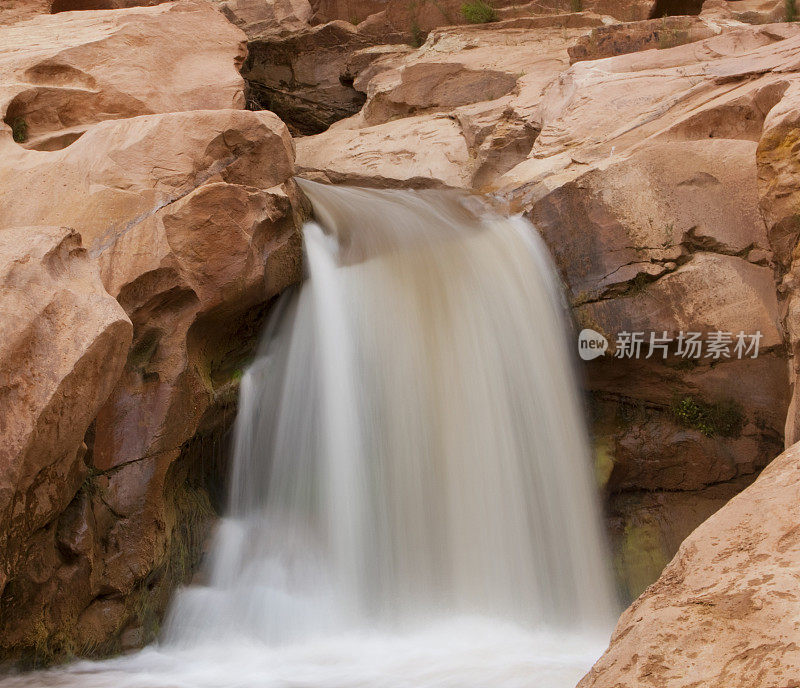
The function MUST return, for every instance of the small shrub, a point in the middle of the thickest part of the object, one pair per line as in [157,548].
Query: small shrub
[478,12]
[19,130]
[723,418]
[791,10]
[417,35]
[576,5]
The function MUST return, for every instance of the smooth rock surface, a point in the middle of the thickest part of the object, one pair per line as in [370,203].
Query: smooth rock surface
[64,72]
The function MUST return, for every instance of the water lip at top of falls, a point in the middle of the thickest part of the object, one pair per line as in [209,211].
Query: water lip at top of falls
[411,498]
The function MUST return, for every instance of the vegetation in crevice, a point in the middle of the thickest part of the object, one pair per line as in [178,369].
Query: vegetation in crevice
[723,418]
[19,130]
[478,12]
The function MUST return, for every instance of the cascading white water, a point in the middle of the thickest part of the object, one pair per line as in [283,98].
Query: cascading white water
[411,500]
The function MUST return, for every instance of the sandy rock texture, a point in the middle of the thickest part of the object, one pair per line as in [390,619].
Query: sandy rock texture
[725,610]
[183,222]
[114,64]
[64,344]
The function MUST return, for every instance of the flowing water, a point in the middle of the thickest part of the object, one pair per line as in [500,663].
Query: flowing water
[411,498]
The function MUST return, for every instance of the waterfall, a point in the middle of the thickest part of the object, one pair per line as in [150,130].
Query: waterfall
[411,499]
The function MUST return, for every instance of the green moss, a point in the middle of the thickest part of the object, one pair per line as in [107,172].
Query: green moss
[478,12]
[603,460]
[19,130]
[723,418]
[639,558]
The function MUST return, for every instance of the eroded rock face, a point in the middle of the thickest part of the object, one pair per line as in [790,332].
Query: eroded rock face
[457,111]
[65,72]
[190,224]
[64,343]
[298,77]
[724,612]
[81,5]
[261,18]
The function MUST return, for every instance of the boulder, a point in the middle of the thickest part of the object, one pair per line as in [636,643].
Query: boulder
[63,347]
[67,71]
[389,155]
[724,611]
[12,11]
[146,193]
[261,18]
[190,223]
[778,178]
[647,528]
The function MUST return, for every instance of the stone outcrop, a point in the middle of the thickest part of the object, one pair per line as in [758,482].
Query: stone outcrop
[631,37]
[82,5]
[114,64]
[298,77]
[64,344]
[183,225]
[724,611]
[259,18]
[427,114]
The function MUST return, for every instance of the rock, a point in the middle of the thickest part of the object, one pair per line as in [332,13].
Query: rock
[146,192]
[389,155]
[459,67]
[647,528]
[142,182]
[654,206]
[260,18]
[399,20]
[75,5]
[756,11]
[299,77]
[65,72]
[721,87]
[631,37]
[724,611]
[12,11]
[485,84]
[63,346]
[778,174]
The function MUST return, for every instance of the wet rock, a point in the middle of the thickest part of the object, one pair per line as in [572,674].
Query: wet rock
[724,610]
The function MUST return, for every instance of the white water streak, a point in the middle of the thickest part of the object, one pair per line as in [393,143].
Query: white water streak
[411,499]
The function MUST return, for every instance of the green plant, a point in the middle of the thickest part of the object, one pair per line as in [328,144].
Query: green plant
[576,5]
[417,35]
[19,130]
[478,12]
[791,10]
[723,418]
